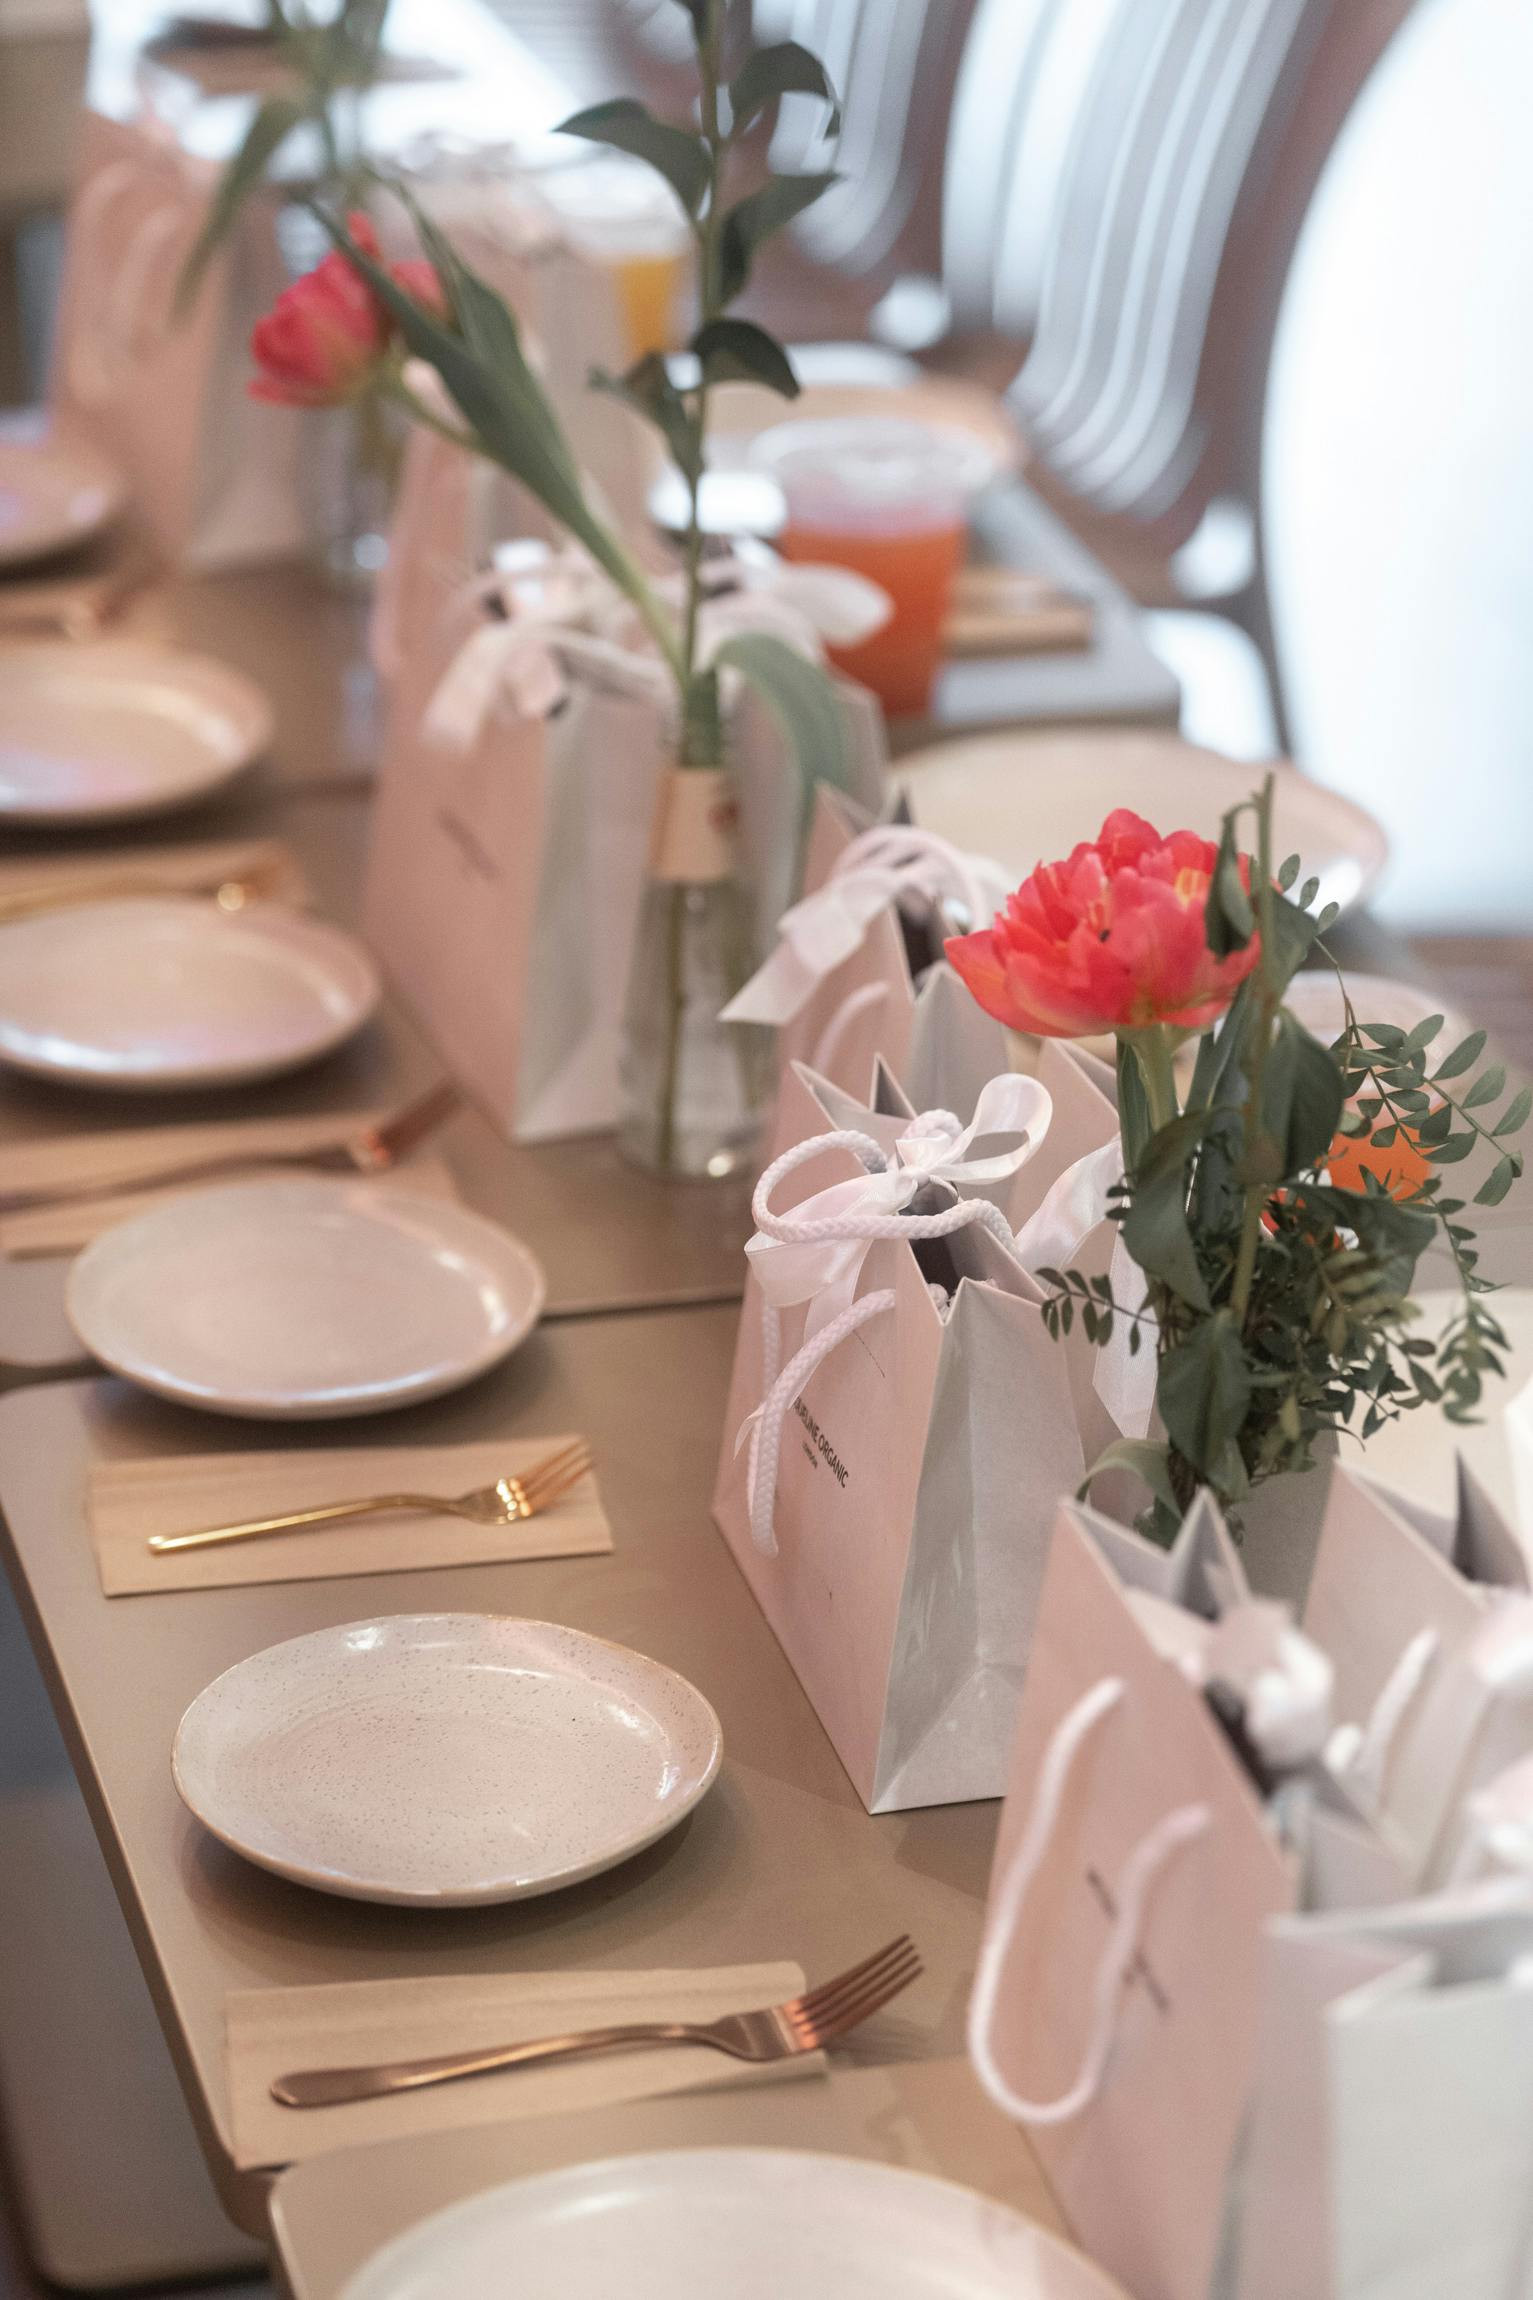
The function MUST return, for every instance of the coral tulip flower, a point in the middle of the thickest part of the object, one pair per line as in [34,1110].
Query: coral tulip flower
[322,340]
[1110,939]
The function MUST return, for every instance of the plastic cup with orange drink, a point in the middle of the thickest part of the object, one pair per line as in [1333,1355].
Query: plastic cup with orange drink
[889,499]
[620,214]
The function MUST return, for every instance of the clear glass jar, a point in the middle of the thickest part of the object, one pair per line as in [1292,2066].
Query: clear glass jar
[694,1088]
[351,462]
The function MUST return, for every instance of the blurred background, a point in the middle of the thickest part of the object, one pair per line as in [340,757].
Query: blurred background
[1253,274]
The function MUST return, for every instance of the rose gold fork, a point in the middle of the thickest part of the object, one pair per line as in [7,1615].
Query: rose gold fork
[503,1503]
[371,1150]
[781,2032]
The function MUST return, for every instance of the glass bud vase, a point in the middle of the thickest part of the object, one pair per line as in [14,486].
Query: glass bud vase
[352,457]
[694,1089]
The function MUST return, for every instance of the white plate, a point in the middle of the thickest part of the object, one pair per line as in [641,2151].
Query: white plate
[730,2224]
[1419,1452]
[53,494]
[1027,799]
[1316,998]
[111,730]
[170,991]
[301,1297]
[445,1758]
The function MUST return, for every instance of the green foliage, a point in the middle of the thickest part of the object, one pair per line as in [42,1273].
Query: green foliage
[273,123]
[623,124]
[1278,1301]
[768,74]
[804,703]
[342,54]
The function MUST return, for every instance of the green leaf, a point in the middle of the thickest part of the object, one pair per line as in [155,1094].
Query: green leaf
[1133,1105]
[1145,1460]
[784,69]
[1302,1096]
[1423,1034]
[1500,1179]
[1515,1114]
[271,127]
[500,398]
[1156,1233]
[736,349]
[1203,1391]
[629,126]
[1228,918]
[1464,1056]
[802,698]
[1486,1087]
[647,388]
[756,217]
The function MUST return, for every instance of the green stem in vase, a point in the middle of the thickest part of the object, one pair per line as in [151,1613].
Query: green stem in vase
[675,1006]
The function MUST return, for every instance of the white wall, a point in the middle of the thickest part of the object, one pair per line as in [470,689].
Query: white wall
[1399,466]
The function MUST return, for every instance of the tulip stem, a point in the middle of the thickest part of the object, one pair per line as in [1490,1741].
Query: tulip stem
[1152,1050]
[415,407]
[1269,999]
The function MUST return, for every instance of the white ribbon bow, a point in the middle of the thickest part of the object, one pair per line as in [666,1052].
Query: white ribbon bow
[815,1253]
[559,612]
[820,933]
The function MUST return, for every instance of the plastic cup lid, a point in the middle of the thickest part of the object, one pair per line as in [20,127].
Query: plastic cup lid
[873,470]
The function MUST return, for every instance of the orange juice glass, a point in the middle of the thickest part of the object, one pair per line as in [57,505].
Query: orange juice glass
[618,212]
[887,499]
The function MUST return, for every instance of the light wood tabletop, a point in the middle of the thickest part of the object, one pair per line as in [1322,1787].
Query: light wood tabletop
[780,1861]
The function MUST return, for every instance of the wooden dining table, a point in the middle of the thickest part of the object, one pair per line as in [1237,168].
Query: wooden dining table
[780,1862]
[105,2076]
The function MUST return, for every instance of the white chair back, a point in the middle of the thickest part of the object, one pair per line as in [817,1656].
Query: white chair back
[1177,105]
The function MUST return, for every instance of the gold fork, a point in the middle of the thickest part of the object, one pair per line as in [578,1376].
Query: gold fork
[231,891]
[370,1150]
[781,2032]
[503,1503]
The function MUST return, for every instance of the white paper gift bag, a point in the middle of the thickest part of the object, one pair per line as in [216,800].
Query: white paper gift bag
[214,473]
[891,1502]
[569,306]
[1390,2151]
[512,830]
[1115,2011]
[839,988]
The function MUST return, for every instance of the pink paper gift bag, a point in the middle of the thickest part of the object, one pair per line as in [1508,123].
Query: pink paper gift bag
[891,1513]
[1117,2006]
[214,474]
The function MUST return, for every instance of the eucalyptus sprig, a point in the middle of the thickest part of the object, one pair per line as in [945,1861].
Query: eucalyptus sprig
[1278,1301]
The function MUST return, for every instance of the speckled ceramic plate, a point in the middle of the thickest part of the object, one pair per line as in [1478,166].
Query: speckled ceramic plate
[445,1759]
[301,1297]
[734,2223]
[1027,798]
